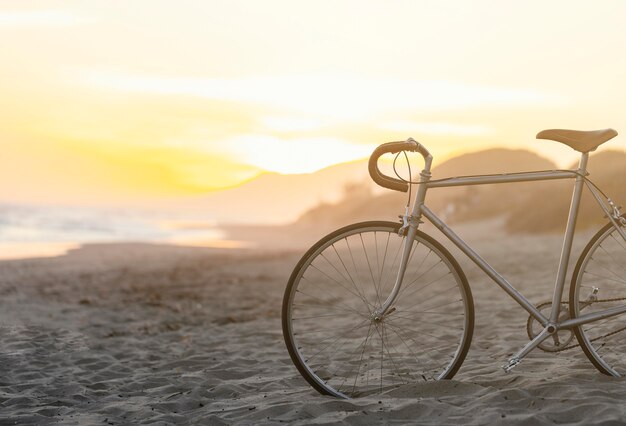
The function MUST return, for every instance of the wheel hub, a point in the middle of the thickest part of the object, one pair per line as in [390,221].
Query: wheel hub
[378,316]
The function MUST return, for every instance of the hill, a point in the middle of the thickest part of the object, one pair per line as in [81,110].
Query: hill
[545,210]
[456,203]
[273,198]
[528,207]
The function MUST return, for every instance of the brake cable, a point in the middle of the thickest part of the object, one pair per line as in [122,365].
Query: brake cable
[410,181]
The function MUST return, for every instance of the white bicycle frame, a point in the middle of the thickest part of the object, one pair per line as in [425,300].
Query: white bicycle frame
[551,324]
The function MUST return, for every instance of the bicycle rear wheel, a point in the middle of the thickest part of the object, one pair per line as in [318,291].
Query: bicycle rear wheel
[334,339]
[601,269]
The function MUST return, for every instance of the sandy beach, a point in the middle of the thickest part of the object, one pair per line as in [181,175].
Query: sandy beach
[165,166]
[143,334]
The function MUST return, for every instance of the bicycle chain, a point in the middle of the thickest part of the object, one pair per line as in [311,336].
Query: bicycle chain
[617,299]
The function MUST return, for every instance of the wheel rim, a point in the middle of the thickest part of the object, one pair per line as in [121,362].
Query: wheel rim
[340,345]
[604,267]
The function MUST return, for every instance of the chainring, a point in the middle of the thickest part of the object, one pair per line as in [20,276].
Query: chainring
[561,339]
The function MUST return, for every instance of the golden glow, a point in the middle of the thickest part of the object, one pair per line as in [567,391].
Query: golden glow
[29,250]
[132,101]
[352,98]
[37,18]
[97,173]
[297,155]
[436,128]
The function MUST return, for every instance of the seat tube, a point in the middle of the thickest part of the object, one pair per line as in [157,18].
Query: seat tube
[569,238]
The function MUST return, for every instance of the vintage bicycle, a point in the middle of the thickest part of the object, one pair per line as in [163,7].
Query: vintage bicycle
[376,305]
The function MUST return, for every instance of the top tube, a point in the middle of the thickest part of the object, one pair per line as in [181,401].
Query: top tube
[502,178]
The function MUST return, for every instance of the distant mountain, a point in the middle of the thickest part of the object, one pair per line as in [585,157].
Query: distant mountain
[546,209]
[491,161]
[273,198]
[455,203]
[477,202]
[484,201]
[529,207]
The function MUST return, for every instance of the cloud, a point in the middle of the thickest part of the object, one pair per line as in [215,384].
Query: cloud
[330,97]
[437,128]
[291,124]
[292,155]
[39,18]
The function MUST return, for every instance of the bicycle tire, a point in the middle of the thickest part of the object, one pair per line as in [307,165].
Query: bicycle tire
[603,341]
[354,304]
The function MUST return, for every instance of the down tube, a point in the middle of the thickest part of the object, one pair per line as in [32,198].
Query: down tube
[482,264]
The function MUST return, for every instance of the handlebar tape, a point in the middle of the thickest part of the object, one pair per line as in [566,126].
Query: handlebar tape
[392,148]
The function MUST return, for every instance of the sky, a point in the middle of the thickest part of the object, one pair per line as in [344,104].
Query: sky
[112,102]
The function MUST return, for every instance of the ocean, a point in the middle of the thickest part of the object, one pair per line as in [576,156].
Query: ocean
[36,231]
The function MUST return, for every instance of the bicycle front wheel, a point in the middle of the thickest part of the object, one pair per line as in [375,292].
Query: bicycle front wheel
[332,333]
[599,283]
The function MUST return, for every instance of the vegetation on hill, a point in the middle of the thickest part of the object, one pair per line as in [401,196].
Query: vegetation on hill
[528,207]
[545,210]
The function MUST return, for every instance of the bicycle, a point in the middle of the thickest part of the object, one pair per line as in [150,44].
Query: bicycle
[375,305]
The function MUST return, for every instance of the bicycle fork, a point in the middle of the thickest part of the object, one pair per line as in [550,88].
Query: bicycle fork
[410,228]
[410,223]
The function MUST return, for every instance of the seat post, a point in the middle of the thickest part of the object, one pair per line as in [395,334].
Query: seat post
[569,238]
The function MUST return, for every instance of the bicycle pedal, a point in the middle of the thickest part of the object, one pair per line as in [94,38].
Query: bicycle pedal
[513,362]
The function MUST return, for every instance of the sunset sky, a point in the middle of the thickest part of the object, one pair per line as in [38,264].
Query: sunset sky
[104,102]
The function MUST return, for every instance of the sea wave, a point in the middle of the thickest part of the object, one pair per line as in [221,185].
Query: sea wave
[46,230]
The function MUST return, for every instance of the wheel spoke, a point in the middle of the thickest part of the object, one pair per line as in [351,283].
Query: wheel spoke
[360,359]
[602,266]
[334,337]
[338,338]
[392,277]
[324,303]
[356,287]
[381,334]
[421,275]
[370,269]
[390,324]
[429,283]
[340,285]
[382,268]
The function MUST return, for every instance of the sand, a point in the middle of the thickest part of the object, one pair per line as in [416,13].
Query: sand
[139,333]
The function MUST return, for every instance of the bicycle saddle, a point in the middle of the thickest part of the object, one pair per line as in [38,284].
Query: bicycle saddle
[579,140]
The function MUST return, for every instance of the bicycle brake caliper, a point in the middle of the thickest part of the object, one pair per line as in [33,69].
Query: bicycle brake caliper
[407,220]
[593,297]
[405,224]
[594,294]
[617,213]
